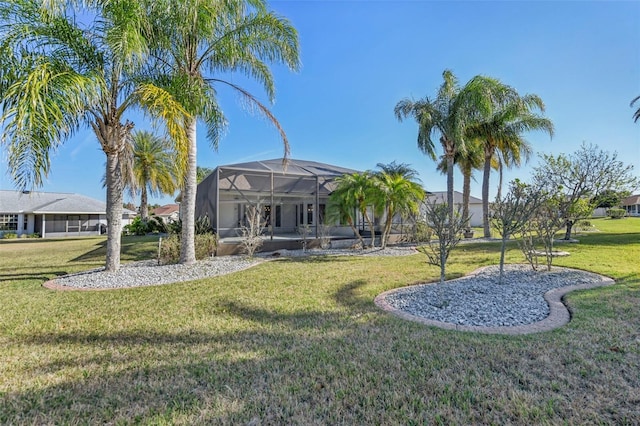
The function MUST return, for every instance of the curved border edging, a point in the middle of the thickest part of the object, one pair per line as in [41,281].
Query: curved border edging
[559,314]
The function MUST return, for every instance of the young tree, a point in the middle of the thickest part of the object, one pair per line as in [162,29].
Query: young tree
[582,177]
[57,76]
[197,43]
[512,213]
[447,232]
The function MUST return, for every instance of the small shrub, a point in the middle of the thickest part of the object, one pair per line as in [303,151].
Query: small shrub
[616,213]
[324,232]
[206,245]
[169,248]
[10,235]
[251,233]
[202,226]
[585,224]
[34,235]
[175,227]
[417,233]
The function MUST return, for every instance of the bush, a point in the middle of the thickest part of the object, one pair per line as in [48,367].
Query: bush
[169,248]
[616,213]
[143,227]
[9,235]
[585,224]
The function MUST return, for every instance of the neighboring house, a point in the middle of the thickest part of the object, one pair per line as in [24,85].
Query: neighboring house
[168,213]
[475,204]
[54,214]
[290,198]
[632,205]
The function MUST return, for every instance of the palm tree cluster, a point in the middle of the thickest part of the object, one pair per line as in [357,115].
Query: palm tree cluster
[69,65]
[479,125]
[391,191]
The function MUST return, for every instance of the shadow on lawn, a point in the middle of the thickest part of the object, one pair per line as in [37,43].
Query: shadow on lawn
[222,378]
[27,276]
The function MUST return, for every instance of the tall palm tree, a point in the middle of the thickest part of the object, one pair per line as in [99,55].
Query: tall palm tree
[198,42]
[444,116]
[468,161]
[58,76]
[399,193]
[153,170]
[501,134]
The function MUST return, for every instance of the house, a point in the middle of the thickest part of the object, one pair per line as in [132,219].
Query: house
[632,205]
[53,214]
[475,204]
[290,197]
[169,213]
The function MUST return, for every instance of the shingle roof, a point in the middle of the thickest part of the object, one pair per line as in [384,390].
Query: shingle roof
[50,203]
[166,210]
[632,200]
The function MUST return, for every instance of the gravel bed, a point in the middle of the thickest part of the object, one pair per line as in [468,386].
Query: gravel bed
[479,300]
[148,272]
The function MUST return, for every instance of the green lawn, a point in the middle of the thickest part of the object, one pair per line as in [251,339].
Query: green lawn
[301,342]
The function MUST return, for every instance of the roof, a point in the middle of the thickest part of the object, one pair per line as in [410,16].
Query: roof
[632,200]
[441,197]
[293,167]
[166,210]
[51,203]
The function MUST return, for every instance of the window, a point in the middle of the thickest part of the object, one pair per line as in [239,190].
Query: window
[309,214]
[322,209]
[266,215]
[8,222]
[278,216]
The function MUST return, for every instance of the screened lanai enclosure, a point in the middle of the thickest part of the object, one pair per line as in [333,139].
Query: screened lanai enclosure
[290,197]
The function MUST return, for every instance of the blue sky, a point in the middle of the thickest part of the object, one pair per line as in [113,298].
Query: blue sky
[359,58]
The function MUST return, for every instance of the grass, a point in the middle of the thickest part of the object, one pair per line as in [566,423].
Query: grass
[299,341]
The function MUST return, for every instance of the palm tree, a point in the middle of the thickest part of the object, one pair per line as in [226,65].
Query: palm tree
[361,190]
[197,42]
[57,77]
[444,116]
[342,208]
[501,133]
[468,161]
[399,193]
[636,115]
[153,170]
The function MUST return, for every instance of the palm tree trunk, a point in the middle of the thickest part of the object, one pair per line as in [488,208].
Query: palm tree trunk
[466,195]
[356,232]
[450,187]
[115,197]
[500,177]
[485,195]
[372,227]
[188,204]
[144,203]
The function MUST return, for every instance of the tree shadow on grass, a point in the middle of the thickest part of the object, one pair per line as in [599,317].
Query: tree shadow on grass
[220,377]
[28,276]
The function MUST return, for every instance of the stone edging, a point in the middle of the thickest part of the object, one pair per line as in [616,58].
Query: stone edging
[559,315]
